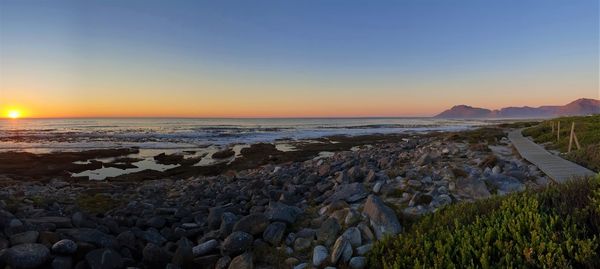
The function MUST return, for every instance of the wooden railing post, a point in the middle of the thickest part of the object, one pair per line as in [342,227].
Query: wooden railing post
[558,132]
[571,137]
[552,127]
[576,140]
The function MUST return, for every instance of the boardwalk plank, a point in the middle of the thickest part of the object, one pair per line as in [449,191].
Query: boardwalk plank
[555,167]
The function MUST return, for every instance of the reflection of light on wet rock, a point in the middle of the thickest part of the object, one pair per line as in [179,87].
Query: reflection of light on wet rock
[106,172]
[285,147]
[324,154]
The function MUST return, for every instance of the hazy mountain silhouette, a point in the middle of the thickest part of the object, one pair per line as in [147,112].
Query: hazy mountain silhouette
[578,107]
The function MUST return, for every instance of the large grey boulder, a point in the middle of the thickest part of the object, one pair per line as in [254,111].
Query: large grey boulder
[472,188]
[352,234]
[505,184]
[228,220]
[277,211]
[320,254]
[382,218]
[350,193]
[104,258]
[237,243]
[64,247]
[155,257]
[357,263]
[328,231]
[244,261]
[27,255]
[341,251]
[205,248]
[58,222]
[184,255]
[28,237]
[253,224]
[62,262]
[274,233]
[92,236]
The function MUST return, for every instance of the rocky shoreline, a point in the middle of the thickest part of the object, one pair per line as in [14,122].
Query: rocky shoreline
[275,210]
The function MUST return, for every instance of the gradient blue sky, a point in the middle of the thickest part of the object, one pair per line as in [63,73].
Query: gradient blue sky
[293,58]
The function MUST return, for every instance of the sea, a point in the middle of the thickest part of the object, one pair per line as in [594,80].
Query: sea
[49,135]
[194,138]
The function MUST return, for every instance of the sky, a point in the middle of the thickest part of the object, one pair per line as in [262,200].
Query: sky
[184,58]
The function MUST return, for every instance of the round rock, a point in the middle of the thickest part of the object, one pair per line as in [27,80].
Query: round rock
[27,255]
[236,243]
[64,247]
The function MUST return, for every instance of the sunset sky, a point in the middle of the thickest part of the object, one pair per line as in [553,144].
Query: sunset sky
[293,58]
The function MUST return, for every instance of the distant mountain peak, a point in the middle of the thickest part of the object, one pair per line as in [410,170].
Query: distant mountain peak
[582,106]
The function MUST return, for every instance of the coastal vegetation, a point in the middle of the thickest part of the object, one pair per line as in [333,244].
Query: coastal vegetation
[555,228]
[587,129]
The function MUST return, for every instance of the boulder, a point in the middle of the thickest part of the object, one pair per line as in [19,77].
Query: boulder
[62,262]
[237,243]
[58,222]
[472,188]
[364,249]
[152,236]
[254,224]
[154,256]
[350,193]
[352,234]
[371,176]
[244,261]
[328,231]
[442,200]
[357,263]
[28,237]
[505,184]
[64,247]
[92,236]
[277,211]
[214,217]
[127,238]
[382,218]
[183,256]
[205,248]
[228,220]
[27,255]
[341,251]
[320,254]
[223,262]
[156,222]
[274,233]
[104,258]
[301,244]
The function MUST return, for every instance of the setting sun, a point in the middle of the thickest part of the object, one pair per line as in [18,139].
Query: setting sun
[14,114]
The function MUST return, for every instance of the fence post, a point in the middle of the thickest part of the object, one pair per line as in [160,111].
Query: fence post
[552,126]
[571,137]
[576,140]
[558,132]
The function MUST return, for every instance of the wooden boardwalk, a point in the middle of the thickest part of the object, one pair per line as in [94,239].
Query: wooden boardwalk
[557,168]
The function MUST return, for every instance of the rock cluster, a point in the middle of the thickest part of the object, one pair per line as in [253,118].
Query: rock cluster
[323,212]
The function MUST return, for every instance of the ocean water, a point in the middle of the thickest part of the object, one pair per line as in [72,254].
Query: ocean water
[47,135]
[193,138]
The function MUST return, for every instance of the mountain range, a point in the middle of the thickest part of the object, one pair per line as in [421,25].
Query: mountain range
[579,107]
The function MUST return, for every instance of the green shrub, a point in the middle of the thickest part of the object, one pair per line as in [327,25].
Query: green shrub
[555,228]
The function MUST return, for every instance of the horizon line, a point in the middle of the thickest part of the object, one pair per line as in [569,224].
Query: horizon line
[201,117]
